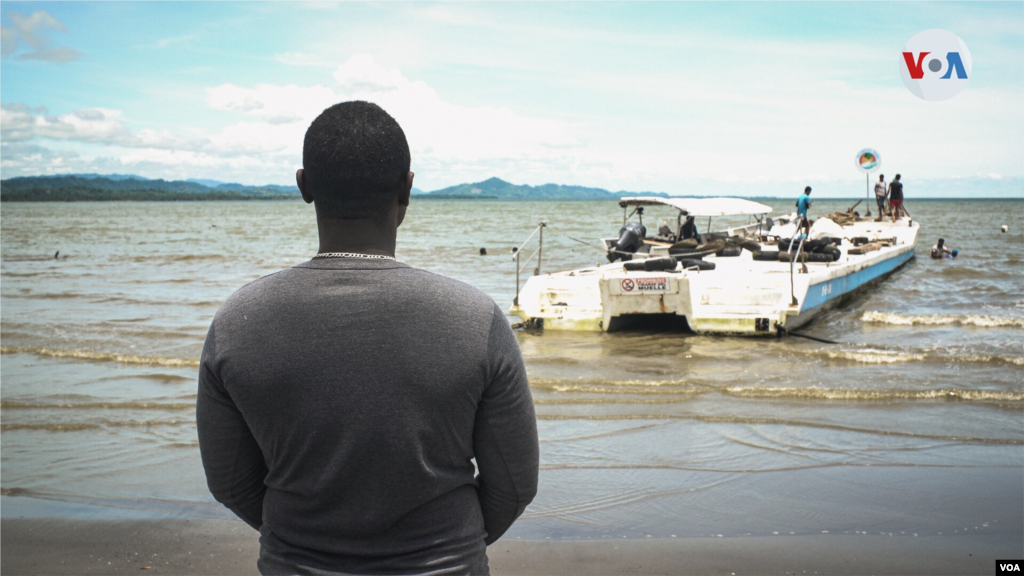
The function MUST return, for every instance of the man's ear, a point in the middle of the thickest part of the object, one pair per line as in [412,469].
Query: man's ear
[300,181]
[403,197]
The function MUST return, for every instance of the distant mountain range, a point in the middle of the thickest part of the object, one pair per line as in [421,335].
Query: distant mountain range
[502,190]
[129,187]
[73,187]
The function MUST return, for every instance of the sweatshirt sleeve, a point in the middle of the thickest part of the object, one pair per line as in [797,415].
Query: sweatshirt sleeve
[505,435]
[234,464]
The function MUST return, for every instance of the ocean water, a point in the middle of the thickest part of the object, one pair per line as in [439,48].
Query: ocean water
[912,425]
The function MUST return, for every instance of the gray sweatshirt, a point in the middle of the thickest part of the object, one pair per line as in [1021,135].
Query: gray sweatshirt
[341,405]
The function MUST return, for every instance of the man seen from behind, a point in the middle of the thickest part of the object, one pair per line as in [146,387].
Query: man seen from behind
[342,402]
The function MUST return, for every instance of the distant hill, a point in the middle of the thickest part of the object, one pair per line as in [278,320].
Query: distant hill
[93,187]
[109,176]
[502,190]
[205,182]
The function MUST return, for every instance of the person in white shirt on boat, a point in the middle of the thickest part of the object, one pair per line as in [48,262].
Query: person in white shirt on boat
[881,194]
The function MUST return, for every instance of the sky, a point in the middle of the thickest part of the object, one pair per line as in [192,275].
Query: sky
[685,98]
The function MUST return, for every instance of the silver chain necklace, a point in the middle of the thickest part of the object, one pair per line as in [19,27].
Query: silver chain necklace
[353,255]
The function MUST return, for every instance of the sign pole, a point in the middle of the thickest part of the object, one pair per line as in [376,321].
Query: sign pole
[868,161]
[867,192]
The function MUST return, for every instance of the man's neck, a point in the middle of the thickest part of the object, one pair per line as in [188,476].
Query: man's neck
[357,236]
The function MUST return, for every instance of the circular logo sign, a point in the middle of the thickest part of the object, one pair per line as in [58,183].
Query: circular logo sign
[935,65]
[628,285]
[868,160]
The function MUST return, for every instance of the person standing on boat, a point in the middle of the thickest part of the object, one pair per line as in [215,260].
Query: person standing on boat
[803,203]
[881,192]
[896,198]
[342,402]
[689,230]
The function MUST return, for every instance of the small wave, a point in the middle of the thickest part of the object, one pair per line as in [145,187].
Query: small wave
[815,393]
[15,405]
[574,401]
[876,356]
[101,356]
[879,356]
[50,427]
[941,319]
[102,423]
[552,382]
[186,445]
[15,491]
[162,378]
[47,295]
[177,257]
[145,423]
[773,421]
[618,386]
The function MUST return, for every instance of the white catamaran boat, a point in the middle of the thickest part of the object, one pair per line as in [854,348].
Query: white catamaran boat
[757,279]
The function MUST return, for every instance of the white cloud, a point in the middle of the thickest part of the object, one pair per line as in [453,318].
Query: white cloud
[33,32]
[94,125]
[440,131]
[474,141]
[272,103]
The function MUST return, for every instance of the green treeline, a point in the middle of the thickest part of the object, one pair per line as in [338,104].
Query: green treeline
[85,188]
[79,194]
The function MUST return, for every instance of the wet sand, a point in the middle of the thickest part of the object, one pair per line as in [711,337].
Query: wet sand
[175,546]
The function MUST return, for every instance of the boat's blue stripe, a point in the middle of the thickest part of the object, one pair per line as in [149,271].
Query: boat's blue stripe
[822,292]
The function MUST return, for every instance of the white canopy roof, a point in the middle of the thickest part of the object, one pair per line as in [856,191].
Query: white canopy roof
[701,206]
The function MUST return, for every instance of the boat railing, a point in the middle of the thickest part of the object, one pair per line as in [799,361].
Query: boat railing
[792,259]
[538,253]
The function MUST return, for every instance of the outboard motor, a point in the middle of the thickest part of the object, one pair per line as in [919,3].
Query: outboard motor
[631,238]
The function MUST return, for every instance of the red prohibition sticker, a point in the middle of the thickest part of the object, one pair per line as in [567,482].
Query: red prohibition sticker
[628,285]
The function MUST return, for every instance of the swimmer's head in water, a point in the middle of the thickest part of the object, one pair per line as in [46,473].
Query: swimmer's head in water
[942,241]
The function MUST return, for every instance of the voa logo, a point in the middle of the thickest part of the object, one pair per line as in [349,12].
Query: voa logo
[1008,567]
[936,65]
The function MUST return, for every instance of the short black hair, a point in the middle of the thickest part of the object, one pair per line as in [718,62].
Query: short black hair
[881,176]
[897,176]
[355,160]
[807,190]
